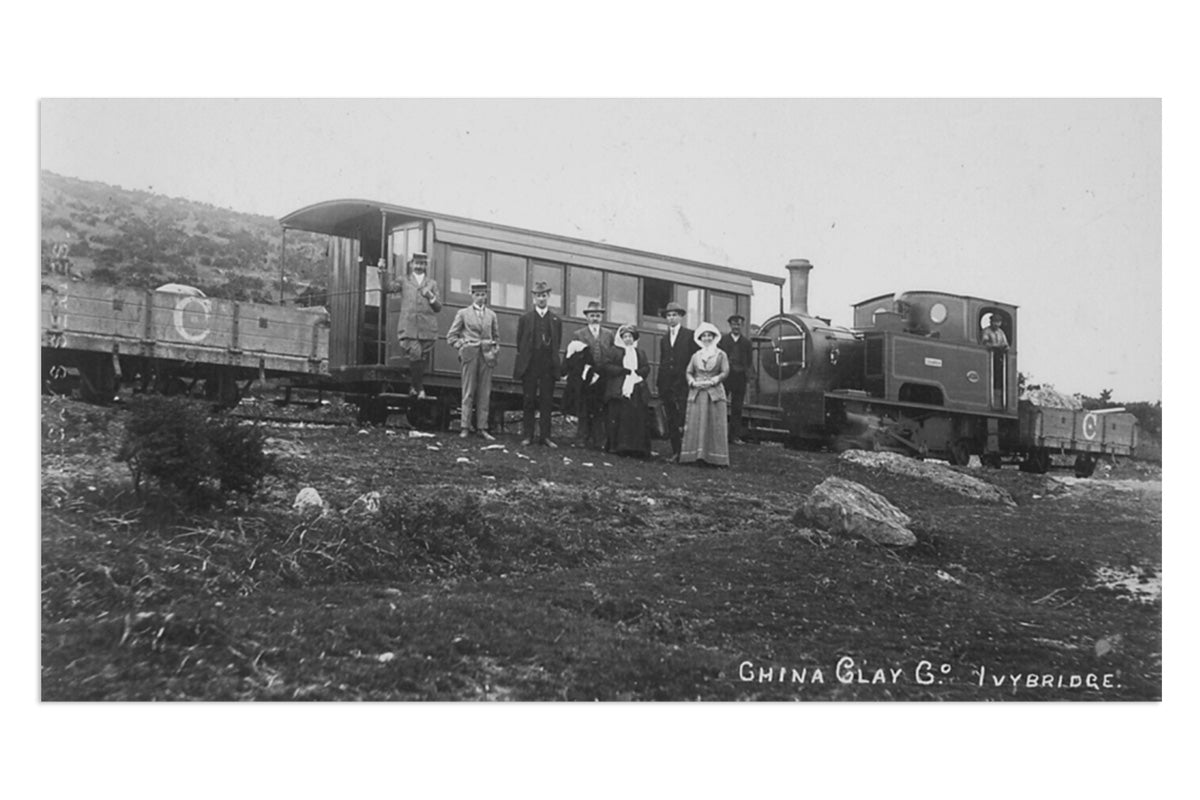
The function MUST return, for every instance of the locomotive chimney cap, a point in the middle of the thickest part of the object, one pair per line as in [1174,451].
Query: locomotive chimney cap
[800,263]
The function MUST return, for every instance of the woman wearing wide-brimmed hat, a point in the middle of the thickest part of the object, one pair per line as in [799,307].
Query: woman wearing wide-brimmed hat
[706,431]
[628,399]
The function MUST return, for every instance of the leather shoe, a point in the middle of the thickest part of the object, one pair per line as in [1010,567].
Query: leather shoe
[487,436]
[549,443]
[464,434]
[526,442]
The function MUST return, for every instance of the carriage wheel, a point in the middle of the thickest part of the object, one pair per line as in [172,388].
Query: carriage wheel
[1037,461]
[1085,465]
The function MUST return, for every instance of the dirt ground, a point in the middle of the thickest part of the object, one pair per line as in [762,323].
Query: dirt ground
[490,571]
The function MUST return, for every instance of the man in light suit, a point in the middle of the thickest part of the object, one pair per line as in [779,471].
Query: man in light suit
[475,334]
[539,337]
[675,350]
[591,430]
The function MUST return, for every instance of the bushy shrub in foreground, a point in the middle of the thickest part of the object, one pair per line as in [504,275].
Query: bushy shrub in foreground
[177,444]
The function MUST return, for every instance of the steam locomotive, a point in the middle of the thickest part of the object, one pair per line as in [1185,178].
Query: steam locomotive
[914,375]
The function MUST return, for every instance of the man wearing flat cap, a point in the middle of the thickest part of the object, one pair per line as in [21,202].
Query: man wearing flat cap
[417,325]
[741,359]
[591,430]
[475,334]
[539,337]
[675,350]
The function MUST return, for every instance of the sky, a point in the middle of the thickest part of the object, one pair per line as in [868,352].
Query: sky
[1052,204]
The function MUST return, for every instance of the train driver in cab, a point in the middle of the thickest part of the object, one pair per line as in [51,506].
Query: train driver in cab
[993,334]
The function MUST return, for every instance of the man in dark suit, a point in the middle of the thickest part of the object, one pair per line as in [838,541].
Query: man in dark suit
[674,352]
[539,337]
[592,431]
[741,358]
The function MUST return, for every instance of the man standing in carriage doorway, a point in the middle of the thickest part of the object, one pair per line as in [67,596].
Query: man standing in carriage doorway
[539,336]
[417,326]
[741,356]
[675,350]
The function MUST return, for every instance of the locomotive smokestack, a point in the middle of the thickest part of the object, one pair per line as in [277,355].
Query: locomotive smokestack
[798,269]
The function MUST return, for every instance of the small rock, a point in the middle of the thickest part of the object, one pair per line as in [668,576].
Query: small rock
[386,657]
[365,504]
[308,498]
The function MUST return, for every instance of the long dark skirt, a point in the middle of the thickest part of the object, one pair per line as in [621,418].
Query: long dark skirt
[628,424]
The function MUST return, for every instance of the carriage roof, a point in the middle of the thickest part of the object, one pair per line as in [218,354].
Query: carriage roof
[349,217]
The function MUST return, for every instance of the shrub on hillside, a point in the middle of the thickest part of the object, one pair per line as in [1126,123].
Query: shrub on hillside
[174,442]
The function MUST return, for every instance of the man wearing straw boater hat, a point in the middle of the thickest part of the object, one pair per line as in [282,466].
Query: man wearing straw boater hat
[417,327]
[539,336]
[475,334]
[591,431]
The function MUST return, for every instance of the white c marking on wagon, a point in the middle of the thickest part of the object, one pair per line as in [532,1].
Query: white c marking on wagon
[1089,426]
[180,306]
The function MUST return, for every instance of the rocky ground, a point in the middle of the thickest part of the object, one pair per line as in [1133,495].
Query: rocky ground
[438,568]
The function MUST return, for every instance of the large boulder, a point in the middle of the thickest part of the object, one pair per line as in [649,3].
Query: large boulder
[851,509]
[936,473]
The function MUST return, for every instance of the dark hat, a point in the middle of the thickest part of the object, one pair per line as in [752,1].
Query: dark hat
[621,331]
[673,306]
[479,286]
[593,307]
[541,287]
[736,318]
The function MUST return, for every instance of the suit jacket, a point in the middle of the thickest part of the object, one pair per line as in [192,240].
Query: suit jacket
[525,344]
[597,344]
[418,313]
[473,332]
[673,361]
[741,353]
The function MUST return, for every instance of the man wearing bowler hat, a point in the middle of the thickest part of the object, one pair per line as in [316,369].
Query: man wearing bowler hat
[539,336]
[741,357]
[675,350]
[591,430]
[475,334]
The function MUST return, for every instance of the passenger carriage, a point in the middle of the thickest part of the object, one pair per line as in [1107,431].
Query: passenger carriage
[370,244]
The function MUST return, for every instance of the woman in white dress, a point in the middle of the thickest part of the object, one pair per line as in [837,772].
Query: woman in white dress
[706,432]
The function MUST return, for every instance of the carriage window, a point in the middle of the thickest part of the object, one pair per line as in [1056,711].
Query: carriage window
[692,299]
[655,296]
[553,275]
[508,281]
[372,286]
[405,242]
[721,308]
[622,305]
[583,285]
[465,266]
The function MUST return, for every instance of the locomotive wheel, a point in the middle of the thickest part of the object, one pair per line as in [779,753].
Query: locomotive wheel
[960,453]
[1038,462]
[1085,465]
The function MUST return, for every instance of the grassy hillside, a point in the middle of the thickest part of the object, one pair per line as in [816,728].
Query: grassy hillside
[107,234]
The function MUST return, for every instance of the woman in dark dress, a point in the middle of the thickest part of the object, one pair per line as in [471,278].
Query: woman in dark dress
[628,399]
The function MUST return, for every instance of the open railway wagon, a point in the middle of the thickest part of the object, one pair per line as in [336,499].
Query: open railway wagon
[370,244]
[98,338]
[1047,432]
